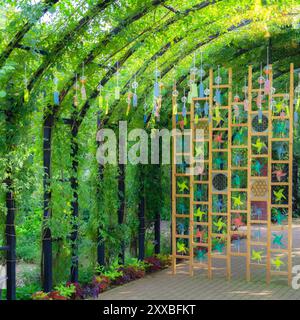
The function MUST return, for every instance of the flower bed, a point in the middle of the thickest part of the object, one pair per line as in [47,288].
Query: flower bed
[105,279]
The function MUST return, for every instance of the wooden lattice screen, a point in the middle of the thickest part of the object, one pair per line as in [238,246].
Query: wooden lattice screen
[241,204]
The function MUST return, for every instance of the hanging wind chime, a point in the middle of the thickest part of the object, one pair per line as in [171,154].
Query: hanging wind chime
[193,93]
[55,92]
[201,74]
[83,83]
[100,97]
[259,99]
[76,88]
[297,103]
[26,91]
[174,101]
[117,88]
[157,97]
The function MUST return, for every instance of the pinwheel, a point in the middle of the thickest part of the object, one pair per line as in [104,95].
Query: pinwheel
[201,255]
[237,159]
[258,212]
[280,150]
[218,138]
[198,194]
[182,186]
[277,263]
[237,243]
[279,195]
[237,180]
[280,128]
[238,137]
[181,208]
[277,240]
[238,221]
[257,234]
[181,228]
[219,247]
[199,234]
[199,151]
[199,214]
[217,116]
[183,166]
[237,201]
[279,174]
[259,145]
[279,217]
[181,248]
[219,162]
[219,205]
[256,256]
[257,167]
[220,224]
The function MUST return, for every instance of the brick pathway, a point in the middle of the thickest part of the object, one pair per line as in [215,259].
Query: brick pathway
[164,285]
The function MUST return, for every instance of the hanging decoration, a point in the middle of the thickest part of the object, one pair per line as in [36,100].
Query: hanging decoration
[193,93]
[134,95]
[201,74]
[26,91]
[100,97]
[117,88]
[297,102]
[129,96]
[83,81]
[76,88]
[174,101]
[145,112]
[55,92]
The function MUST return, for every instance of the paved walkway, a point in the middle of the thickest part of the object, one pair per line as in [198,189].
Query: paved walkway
[164,285]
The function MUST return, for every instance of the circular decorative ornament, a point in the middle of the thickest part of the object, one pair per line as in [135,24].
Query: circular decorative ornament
[175,93]
[245,89]
[184,99]
[260,126]
[259,188]
[206,92]
[202,73]
[191,82]
[135,85]
[220,181]
[218,80]
[261,80]
[193,70]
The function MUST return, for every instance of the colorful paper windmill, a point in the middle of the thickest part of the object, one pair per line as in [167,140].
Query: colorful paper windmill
[277,263]
[259,145]
[237,201]
[256,255]
[182,186]
[279,195]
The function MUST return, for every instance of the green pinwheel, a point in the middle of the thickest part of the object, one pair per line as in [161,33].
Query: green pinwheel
[181,248]
[219,162]
[256,256]
[199,214]
[277,263]
[219,247]
[279,195]
[220,224]
[182,186]
[237,201]
[201,254]
[259,145]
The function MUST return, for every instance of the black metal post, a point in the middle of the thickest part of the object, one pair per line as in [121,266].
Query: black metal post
[74,203]
[100,240]
[121,211]
[46,232]
[141,236]
[157,233]
[10,242]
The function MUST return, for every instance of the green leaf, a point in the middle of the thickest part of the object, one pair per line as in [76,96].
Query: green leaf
[2,94]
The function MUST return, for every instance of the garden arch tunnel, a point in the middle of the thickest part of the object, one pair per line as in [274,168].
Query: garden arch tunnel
[148,34]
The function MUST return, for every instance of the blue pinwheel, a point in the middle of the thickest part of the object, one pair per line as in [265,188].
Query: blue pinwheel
[237,159]
[181,208]
[280,150]
[180,228]
[220,204]
[277,239]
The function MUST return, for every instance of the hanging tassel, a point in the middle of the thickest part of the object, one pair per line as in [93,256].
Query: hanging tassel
[156,89]
[106,106]
[56,98]
[75,100]
[134,100]
[218,97]
[189,98]
[287,111]
[206,109]
[296,118]
[175,108]
[260,116]
[129,95]
[26,95]
[267,87]
[100,100]
[196,118]
[83,91]
[184,110]
[201,90]
[185,121]
[145,118]
[194,90]
[117,93]
[246,105]
[176,118]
